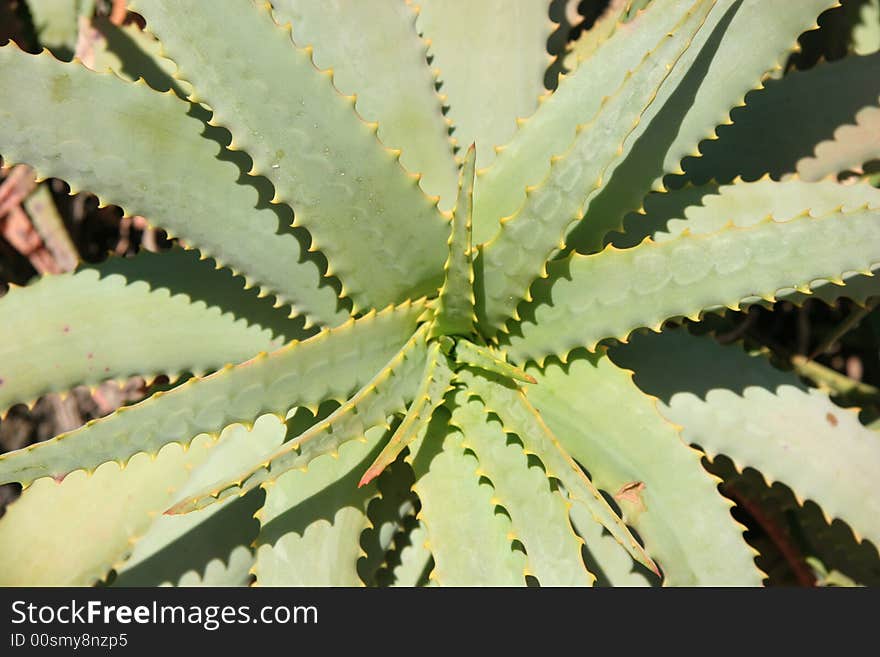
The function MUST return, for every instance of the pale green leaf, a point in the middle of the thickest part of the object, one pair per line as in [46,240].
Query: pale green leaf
[759,417]
[205,548]
[518,416]
[475,47]
[852,146]
[152,314]
[312,521]
[782,123]
[741,44]
[415,559]
[72,533]
[382,236]
[634,454]
[330,365]
[436,382]
[518,253]
[455,303]
[385,394]
[469,541]
[538,515]
[385,67]
[610,294]
[137,148]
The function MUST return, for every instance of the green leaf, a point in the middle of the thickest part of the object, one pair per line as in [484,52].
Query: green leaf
[392,516]
[436,382]
[152,314]
[519,417]
[518,253]
[472,355]
[538,515]
[386,394]
[312,521]
[381,234]
[709,208]
[415,559]
[131,53]
[525,160]
[206,547]
[469,541]
[475,46]
[330,365]
[782,123]
[385,67]
[866,31]
[56,23]
[590,41]
[138,149]
[687,275]
[852,146]
[455,305]
[655,478]
[93,518]
[636,6]
[766,419]
[741,44]
[234,571]
[606,558]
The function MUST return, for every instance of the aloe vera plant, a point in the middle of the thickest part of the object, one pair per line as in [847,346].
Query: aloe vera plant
[400,358]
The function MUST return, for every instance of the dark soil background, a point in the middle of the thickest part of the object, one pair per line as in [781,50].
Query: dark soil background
[847,336]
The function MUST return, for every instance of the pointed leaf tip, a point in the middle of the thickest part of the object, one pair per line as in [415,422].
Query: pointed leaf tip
[455,303]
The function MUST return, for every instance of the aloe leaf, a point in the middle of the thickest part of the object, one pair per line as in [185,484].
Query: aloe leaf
[518,253]
[687,275]
[56,23]
[655,478]
[94,517]
[385,68]
[539,517]
[766,419]
[852,146]
[206,547]
[131,53]
[709,208]
[436,382]
[519,417]
[713,75]
[866,31]
[470,354]
[137,148]
[469,541]
[381,234]
[330,365]
[782,123]
[152,314]
[415,559]
[526,159]
[606,558]
[311,523]
[392,518]
[741,45]
[590,41]
[455,303]
[484,100]
[386,394]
